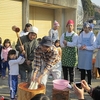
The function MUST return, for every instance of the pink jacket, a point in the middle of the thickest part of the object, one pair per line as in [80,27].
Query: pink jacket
[4,53]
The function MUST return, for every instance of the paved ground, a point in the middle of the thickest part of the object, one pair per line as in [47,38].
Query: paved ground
[4,90]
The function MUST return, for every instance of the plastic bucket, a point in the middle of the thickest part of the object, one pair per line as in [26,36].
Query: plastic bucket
[60,84]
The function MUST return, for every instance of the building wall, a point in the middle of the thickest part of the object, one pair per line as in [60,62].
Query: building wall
[80,13]
[10,14]
[20,12]
[59,18]
[66,3]
[41,18]
[63,11]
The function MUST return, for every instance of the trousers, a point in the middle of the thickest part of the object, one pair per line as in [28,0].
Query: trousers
[83,74]
[13,83]
[69,70]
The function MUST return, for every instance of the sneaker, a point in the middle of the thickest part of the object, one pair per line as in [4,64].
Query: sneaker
[14,99]
[70,87]
[0,75]
[3,77]
[50,76]
[71,83]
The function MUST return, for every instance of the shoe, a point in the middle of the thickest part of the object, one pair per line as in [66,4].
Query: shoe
[13,98]
[50,76]
[3,77]
[71,83]
[70,87]
[0,75]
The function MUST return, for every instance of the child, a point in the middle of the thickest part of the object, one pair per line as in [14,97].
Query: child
[53,32]
[57,44]
[0,54]
[14,71]
[5,49]
[40,97]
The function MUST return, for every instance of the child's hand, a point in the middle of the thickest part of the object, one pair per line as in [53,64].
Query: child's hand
[3,60]
[23,52]
[21,48]
[65,42]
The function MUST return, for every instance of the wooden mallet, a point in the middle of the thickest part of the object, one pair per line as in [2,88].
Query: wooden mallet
[17,29]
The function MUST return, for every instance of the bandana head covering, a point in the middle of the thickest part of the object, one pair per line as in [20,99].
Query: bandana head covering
[70,22]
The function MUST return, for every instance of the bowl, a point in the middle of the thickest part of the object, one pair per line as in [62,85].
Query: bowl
[60,84]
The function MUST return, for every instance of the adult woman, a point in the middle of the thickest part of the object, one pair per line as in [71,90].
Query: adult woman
[68,42]
[25,31]
[86,45]
[29,43]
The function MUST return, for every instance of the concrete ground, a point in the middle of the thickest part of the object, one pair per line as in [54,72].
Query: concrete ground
[4,90]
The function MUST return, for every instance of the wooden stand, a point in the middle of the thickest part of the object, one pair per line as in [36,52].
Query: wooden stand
[60,94]
[25,94]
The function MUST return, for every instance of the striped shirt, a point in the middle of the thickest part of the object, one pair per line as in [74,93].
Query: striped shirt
[50,58]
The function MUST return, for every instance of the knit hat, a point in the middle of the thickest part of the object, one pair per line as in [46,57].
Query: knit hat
[70,22]
[56,23]
[91,26]
[33,29]
[86,24]
[46,41]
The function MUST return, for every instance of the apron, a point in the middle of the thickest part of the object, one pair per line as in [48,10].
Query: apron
[69,54]
[85,56]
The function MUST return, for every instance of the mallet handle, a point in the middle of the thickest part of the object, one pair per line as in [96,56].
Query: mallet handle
[19,38]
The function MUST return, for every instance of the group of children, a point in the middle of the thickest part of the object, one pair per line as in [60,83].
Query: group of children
[9,60]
